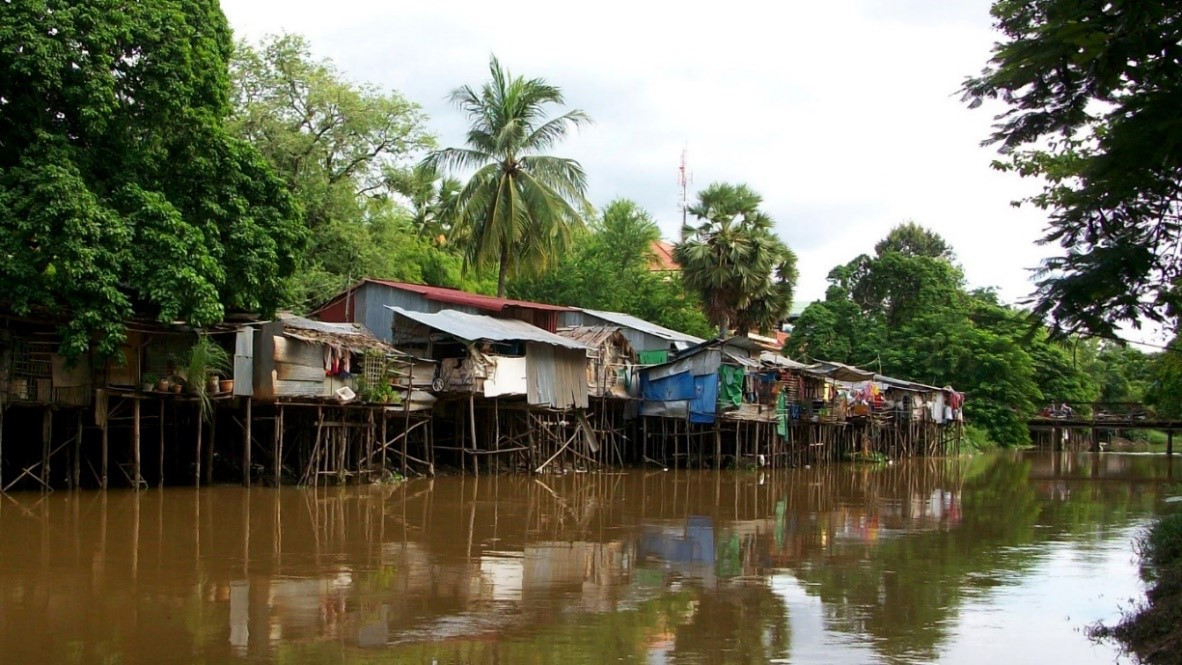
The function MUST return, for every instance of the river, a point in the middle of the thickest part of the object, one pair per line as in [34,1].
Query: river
[994,558]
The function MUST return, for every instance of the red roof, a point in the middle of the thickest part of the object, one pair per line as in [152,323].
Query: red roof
[476,300]
[663,257]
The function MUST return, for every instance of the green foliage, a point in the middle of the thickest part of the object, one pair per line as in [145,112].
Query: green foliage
[206,359]
[1151,631]
[120,189]
[519,208]
[345,150]
[743,272]
[906,312]
[1092,91]
[1165,381]
[608,268]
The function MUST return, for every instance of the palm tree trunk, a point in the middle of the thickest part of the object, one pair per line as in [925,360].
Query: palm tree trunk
[503,272]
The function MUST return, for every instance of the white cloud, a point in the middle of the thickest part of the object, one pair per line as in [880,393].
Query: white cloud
[844,114]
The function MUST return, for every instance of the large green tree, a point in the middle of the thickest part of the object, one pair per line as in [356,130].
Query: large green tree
[121,191]
[734,260]
[519,207]
[347,152]
[1091,90]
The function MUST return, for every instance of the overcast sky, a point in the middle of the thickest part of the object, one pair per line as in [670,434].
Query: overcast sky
[845,115]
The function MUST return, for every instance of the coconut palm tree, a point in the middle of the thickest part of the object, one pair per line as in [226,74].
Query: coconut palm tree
[519,206]
[432,199]
[744,273]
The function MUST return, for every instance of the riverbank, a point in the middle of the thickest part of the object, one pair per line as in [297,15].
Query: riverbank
[1154,631]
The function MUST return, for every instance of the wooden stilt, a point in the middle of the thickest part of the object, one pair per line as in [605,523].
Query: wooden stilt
[160,480]
[76,482]
[472,428]
[213,436]
[136,478]
[46,446]
[106,426]
[1169,443]
[197,468]
[246,444]
[278,464]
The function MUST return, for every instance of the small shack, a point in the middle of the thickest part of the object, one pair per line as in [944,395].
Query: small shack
[654,344]
[496,357]
[610,359]
[349,394]
[518,394]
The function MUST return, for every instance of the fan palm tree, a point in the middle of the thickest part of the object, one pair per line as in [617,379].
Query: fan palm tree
[519,206]
[744,273]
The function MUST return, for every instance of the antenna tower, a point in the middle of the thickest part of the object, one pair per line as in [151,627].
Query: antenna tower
[684,178]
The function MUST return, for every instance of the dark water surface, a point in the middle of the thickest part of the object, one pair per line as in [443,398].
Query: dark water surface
[1003,558]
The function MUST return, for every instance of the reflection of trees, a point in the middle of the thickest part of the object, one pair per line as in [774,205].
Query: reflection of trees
[554,569]
[735,623]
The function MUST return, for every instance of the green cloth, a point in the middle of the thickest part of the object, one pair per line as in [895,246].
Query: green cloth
[731,388]
[782,415]
[653,357]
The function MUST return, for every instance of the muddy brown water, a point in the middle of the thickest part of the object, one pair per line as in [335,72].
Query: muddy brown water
[1001,558]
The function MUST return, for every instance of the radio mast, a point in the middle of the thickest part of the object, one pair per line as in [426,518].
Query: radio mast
[684,178]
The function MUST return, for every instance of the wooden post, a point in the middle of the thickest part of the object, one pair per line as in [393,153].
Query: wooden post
[472,428]
[197,468]
[213,435]
[106,426]
[246,445]
[76,482]
[136,479]
[278,462]
[717,443]
[2,405]
[1169,443]
[46,446]
[161,479]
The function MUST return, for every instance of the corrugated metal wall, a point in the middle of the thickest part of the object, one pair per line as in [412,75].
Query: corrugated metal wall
[556,377]
[371,310]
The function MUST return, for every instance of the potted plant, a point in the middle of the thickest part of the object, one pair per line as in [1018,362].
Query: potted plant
[149,383]
[206,360]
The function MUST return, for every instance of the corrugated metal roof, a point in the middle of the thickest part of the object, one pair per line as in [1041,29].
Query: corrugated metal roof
[352,335]
[840,371]
[781,360]
[472,327]
[593,336]
[629,321]
[477,300]
[905,384]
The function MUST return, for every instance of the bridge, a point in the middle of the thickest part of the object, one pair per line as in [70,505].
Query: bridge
[1101,416]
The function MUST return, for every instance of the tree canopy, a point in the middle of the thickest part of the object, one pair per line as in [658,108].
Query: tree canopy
[121,190]
[907,312]
[518,209]
[347,152]
[735,262]
[1091,92]
[608,268]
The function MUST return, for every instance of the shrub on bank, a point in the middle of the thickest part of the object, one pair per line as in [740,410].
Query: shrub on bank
[1153,632]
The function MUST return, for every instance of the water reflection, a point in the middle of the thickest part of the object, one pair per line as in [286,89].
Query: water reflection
[909,563]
